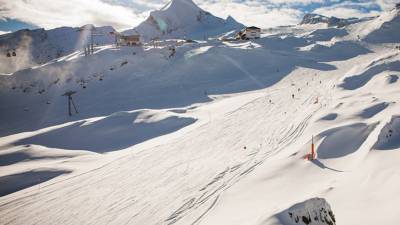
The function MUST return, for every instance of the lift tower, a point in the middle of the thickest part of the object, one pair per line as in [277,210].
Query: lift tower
[69,94]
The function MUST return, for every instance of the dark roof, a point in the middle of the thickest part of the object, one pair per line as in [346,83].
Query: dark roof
[131,37]
[253,28]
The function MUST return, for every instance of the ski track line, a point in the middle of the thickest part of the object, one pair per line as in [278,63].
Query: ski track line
[198,220]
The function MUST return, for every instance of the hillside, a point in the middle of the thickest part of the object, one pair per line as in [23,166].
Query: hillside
[36,47]
[212,133]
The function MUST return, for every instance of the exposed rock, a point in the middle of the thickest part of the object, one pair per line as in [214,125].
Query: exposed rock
[314,211]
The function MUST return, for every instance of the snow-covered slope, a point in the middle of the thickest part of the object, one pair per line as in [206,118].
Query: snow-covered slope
[35,47]
[382,29]
[183,19]
[216,133]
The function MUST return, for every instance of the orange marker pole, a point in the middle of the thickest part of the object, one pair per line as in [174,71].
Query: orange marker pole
[312,148]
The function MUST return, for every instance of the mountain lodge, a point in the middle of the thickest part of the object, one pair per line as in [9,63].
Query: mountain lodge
[249,33]
[129,40]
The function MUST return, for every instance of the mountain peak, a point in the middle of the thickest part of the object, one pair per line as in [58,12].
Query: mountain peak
[183,19]
[180,4]
[230,18]
[312,18]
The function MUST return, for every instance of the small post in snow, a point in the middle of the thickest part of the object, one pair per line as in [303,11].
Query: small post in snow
[312,148]
[311,156]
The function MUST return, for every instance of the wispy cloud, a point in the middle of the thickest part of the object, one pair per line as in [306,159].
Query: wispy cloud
[254,13]
[386,4]
[350,9]
[51,14]
[343,12]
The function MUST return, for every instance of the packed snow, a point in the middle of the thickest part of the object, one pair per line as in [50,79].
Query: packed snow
[208,131]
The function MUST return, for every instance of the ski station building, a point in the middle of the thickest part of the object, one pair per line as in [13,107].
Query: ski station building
[249,33]
[129,40]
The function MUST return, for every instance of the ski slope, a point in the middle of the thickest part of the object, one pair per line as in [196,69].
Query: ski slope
[215,133]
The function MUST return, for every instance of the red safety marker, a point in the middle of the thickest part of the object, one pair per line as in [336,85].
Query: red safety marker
[311,156]
[312,148]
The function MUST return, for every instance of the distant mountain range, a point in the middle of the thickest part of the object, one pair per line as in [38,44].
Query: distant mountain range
[312,18]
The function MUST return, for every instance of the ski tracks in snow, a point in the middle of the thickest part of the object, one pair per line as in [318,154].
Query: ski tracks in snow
[207,197]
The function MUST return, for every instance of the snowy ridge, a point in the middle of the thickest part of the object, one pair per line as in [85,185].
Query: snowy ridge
[382,29]
[35,47]
[312,18]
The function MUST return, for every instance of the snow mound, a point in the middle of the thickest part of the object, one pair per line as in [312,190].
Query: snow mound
[117,131]
[389,137]
[327,34]
[330,116]
[337,51]
[30,153]
[183,19]
[315,211]
[378,66]
[373,110]
[15,182]
[342,141]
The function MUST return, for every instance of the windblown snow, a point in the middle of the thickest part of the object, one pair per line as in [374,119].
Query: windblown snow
[212,132]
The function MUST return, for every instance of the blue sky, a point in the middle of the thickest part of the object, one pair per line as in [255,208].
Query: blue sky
[125,14]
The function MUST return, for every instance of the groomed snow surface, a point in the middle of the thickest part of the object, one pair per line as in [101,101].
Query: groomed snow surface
[214,133]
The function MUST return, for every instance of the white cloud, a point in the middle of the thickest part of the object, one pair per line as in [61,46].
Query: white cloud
[51,14]
[295,2]
[4,32]
[254,13]
[139,5]
[346,10]
[386,4]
